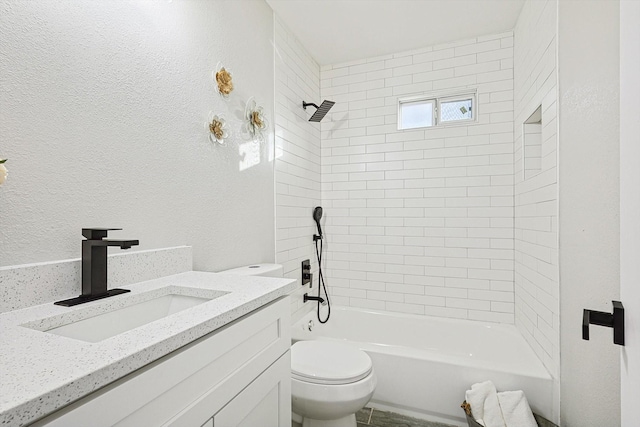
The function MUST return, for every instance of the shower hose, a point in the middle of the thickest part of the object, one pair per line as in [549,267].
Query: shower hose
[321,285]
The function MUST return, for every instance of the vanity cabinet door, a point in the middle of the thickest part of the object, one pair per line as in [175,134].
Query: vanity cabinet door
[266,402]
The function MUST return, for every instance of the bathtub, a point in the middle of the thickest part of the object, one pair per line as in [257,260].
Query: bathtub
[425,364]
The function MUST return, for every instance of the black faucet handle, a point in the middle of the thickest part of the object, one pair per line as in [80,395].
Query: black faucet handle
[97,233]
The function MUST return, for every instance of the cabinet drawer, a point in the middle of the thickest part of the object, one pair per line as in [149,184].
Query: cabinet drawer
[154,394]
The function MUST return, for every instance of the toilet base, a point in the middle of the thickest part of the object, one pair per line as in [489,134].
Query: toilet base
[348,421]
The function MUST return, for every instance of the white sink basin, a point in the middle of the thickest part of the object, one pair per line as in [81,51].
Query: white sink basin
[111,323]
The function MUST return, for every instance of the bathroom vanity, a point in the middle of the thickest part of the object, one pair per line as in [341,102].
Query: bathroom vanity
[223,360]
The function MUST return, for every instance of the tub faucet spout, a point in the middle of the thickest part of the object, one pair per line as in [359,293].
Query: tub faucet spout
[306,298]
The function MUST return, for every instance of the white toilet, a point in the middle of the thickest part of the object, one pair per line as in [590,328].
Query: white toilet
[330,381]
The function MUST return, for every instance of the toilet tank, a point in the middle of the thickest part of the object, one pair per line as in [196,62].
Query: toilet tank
[266,270]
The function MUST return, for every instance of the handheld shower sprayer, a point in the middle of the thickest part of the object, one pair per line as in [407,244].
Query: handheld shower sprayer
[317,215]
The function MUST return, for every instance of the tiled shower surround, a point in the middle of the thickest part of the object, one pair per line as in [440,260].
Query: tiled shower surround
[537,289]
[297,165]
[421,221]
[437,221]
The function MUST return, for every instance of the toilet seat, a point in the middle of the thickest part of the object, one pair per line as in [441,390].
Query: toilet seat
[328,363]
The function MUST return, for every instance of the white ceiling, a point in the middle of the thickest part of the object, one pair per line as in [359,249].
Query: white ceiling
[335,31]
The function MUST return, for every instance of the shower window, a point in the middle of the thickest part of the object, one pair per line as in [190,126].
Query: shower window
[416,113]
[456,109]
[436,111]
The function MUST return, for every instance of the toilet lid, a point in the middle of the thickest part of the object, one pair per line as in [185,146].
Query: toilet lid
[328,362]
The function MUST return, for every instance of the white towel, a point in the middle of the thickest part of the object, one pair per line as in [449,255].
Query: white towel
[515,409]
[485,407]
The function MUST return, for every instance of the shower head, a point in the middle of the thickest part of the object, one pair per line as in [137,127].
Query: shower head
[321,111]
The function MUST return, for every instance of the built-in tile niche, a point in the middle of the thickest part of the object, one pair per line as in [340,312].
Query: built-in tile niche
[532,144]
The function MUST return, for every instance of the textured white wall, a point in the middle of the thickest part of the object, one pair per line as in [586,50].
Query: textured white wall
[421,221]
[588,79]
[536,215]
[103,105]
[297,162]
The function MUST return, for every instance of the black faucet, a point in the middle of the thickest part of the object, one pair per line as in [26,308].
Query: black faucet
[94,266]
[306,298]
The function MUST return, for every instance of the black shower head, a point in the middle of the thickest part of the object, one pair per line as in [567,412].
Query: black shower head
[321,111]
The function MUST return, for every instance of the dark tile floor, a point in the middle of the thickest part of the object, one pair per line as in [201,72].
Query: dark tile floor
[369,417]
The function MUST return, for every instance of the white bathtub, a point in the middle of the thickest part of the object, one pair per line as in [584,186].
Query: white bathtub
[425,364]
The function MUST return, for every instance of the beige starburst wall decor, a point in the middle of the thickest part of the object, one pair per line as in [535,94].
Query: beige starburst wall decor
[3,171]
[255,122]
[217,127]
[223,81]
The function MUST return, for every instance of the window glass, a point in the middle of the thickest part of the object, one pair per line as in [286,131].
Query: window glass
[416,114]
[460,109]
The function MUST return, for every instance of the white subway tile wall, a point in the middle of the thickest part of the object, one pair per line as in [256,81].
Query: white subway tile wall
[297,162]
[421,221]
[536,198]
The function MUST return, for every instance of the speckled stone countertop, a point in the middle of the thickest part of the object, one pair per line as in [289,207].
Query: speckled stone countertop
[41,372]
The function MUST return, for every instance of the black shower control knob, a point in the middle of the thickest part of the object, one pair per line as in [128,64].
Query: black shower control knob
[306,272]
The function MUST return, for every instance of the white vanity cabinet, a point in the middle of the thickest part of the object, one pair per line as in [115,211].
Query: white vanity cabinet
[238,375]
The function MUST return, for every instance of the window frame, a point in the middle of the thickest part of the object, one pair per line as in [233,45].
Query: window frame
[437,99]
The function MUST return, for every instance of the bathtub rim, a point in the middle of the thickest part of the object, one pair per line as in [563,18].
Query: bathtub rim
[541,371]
